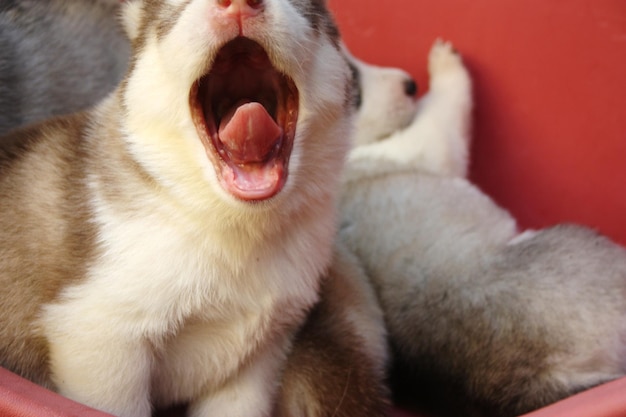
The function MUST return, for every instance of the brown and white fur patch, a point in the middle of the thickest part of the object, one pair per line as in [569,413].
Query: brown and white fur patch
[484,320]
[147,260]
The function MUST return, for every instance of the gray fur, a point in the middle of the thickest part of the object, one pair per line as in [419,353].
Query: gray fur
[57,57]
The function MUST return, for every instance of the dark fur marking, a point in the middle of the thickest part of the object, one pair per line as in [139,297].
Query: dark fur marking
[356,92]
[316,12]
[167,18]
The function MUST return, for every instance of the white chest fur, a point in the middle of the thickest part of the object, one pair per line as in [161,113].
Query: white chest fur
[173,309]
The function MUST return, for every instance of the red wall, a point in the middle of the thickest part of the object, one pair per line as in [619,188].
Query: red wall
[550,94]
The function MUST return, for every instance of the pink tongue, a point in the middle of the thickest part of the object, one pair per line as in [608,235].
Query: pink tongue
[248,133]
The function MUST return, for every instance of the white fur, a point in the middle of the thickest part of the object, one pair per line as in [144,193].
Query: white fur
[211,318]
[437,141]
[385,106]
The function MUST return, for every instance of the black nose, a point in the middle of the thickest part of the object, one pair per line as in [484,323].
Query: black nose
[410,87]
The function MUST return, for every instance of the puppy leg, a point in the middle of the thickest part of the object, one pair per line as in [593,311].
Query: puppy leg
[444,121]
[104,371]
[438,139]
[248,394]
[337,365]
[199,367]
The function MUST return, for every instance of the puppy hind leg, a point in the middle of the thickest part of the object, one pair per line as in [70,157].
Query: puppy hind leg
[337,365]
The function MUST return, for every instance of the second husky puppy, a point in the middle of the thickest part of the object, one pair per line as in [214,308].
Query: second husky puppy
[485,319]
[168,245]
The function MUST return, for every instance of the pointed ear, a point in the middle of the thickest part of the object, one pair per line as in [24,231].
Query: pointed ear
[131,17]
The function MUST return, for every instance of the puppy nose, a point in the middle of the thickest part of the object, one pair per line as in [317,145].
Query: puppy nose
[410,87]
[242,8]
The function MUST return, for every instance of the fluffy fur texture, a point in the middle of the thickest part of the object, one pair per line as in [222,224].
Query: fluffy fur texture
[57,57]
[385,100]
[484,320]
[137,275]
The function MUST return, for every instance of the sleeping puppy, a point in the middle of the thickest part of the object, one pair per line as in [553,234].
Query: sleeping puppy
[174,244]
[57,57]
[484,320]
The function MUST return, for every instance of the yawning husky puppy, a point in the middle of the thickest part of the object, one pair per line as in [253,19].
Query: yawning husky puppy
[167,246]
[485,319]
[57,57]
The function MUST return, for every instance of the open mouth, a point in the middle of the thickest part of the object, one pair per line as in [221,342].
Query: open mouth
[245,112]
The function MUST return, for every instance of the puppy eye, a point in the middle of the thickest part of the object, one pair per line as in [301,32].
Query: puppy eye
[356,90]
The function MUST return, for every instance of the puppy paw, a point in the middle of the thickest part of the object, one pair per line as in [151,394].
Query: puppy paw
[443,58]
